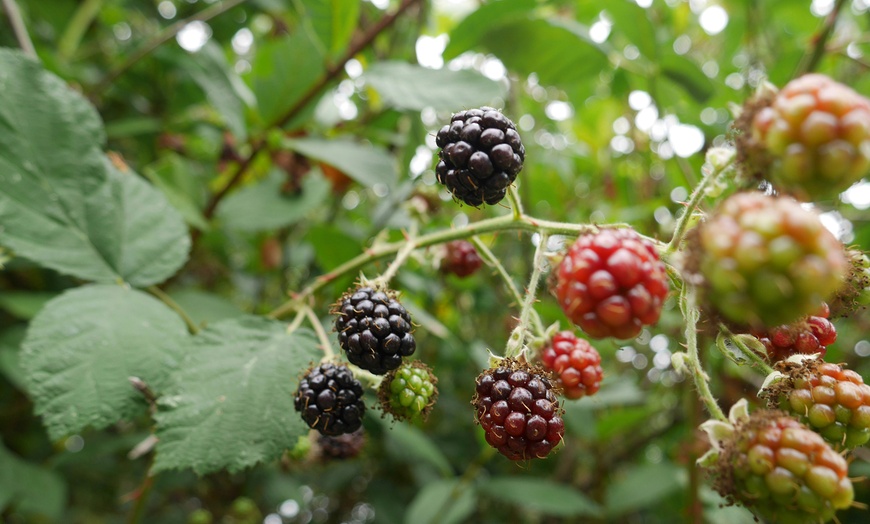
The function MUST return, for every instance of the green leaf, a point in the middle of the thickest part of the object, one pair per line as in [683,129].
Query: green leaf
[407,86]
[634,22]
[231,403]
[24,304]
[32,490]
[332,246]
[442,502]
[223,88]
[559,52]
[282,72]
[205,307]
[643,487]
[332,21]
[367,164]
[10,344]
[687,75]
[540,495]
[63,205]
[410,443]
[464,35]
[179,181]
[263,206]
[83,346]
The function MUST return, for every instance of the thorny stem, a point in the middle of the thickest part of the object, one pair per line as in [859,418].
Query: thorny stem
[490,258]
[19,28]
[173,305]
[325,345]
[811,60]
[159,39]
[332,72]
[691,205]
[750,354]
[690,312]
[410,245]
[502,223]
[516,202]
[516,343]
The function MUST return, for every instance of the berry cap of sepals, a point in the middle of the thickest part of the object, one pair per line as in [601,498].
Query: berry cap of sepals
[833,401]
[766,260]
[776,467]
[409,392]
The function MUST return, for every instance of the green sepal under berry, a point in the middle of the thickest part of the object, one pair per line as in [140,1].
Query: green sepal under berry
[833,401]
[409,392]
[776,467]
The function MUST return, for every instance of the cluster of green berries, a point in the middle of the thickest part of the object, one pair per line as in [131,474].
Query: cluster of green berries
[409,392]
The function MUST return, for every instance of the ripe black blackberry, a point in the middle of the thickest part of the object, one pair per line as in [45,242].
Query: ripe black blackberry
[330,400]
[374,329]
[481,154]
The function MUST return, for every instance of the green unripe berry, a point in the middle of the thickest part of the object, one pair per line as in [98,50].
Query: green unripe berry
[409,391]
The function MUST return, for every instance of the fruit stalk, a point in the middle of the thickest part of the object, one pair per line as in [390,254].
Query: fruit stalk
[695,199]
[325,345]
[516,343]
[689,308]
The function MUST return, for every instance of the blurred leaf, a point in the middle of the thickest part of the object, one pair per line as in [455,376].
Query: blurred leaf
[282,71]
[687,75]
[332,247]
[560,52]
[410,443]
[63,204]
[427,321]
[333,21]
[133,126]
[634,22]
[231,402]
[205,307]
[10,347]
[24,304]
[643,487]
[32,490]
[466,33]
[618,391]
[442,502]
[365,163]
[263,206]
[540,495]
[82,347]
[615,422]
[175,177]
[407,86]
[223,88]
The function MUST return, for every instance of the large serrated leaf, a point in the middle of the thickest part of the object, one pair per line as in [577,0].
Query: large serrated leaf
[407,86]
[365,163]
[540,495]
[62,204]
[83,346]
[231,404]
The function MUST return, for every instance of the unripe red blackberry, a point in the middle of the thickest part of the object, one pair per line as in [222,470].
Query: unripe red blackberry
[409,392]
[833,401]
[767,260]
[330,399]
[374,329]
[342,447]
[611,283]
[481,155]
[809,335]
[518,411]
[576,363]
[776,467]
[814,137]
[460,258]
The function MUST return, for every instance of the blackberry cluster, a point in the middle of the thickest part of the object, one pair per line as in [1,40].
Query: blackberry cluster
[374,329]
[330,400]
[517,409]
[342,447]
[460,258]
[481,155]
[577,363]
[409,392]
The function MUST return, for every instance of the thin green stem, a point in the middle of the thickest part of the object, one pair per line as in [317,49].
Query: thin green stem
[141,495]
[19,28]
[489,257]
[690,312]
[746,350]
[691,205]
[297,321]
[173,305]
[401,257]
[516,201]
[159,39]
[78,26]
[811,60]
[502,223]
[325,344]
[516,344]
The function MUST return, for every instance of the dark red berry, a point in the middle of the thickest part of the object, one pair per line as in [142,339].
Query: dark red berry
[460,258]
[809,335]
[576,362]
[342,447]
[611,283]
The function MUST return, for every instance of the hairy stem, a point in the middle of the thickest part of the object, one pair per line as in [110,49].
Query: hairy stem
[325,344]
[690,312]
[18,27]
[691,205]
[401,258]
[173,305]
[750,354]
[516,343]
[516,202]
